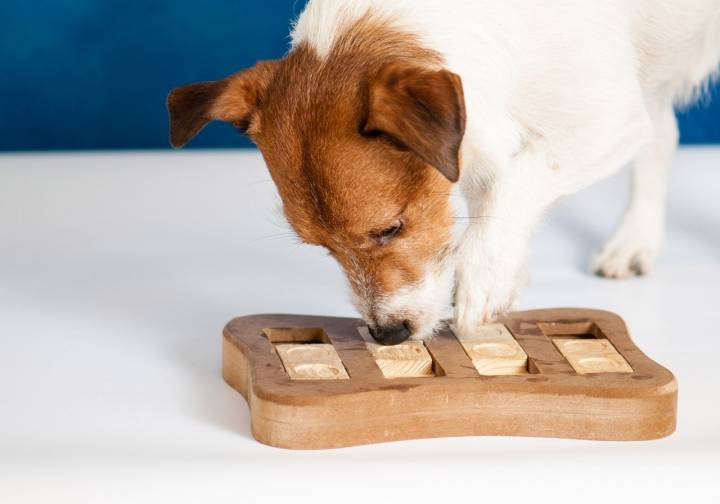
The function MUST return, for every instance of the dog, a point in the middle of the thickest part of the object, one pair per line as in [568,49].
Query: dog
[382,106]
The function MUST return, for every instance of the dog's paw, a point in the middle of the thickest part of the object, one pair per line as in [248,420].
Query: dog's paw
[627,254]
[476,304]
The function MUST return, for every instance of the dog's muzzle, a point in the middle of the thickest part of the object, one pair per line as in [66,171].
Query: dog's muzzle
[391,335]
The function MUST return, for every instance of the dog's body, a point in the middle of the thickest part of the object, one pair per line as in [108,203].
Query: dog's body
[552,96]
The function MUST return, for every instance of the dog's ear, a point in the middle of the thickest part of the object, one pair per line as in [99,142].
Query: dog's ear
[233,99]
[420,110]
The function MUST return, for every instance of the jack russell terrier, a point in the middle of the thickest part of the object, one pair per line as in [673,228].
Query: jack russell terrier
[381,106]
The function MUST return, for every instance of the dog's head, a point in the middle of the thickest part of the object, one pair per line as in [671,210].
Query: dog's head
[363,154]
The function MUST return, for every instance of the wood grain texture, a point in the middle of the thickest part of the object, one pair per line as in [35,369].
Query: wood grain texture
[493,351]
[552,400]
[406,360]
[592,355]
[311,361]
[409,359]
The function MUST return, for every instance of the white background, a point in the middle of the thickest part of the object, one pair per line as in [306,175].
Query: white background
[118,272]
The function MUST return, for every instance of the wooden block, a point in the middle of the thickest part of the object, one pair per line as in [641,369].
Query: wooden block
[493,351]
[488,332]
[590,355]
[311,361]
[409,359]
[406,360]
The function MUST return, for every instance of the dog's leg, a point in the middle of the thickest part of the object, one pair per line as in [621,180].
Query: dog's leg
[489,272]
[634,246]
[492,252]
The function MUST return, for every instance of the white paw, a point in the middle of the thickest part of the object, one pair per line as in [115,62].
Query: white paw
[479,300]
[627,253]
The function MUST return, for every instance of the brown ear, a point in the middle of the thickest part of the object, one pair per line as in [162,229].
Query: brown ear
[421,110]
[232,99]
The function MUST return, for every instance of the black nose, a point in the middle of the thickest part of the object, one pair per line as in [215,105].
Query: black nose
[391,335]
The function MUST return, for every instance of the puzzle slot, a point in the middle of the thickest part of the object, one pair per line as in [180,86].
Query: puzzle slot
[592,355]
[409,359]
[296,335]
[311,361]
[575,330]
[306,353]
[493,351]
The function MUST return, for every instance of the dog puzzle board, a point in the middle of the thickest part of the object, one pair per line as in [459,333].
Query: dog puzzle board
[321,382]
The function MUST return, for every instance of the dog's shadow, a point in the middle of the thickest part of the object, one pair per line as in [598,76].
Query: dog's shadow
[703,228]
[585,239]
[700,228]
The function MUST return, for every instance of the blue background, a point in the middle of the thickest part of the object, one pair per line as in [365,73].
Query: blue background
[91,74]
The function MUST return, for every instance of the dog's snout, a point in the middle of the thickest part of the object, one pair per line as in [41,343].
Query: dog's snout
[391,335]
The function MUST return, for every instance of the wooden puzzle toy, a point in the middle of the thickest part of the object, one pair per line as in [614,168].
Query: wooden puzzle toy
[322,382]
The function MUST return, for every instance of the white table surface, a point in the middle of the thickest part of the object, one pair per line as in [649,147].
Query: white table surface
[119,270]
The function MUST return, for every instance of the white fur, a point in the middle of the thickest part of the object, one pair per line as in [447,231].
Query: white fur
[424,303]
[559,94]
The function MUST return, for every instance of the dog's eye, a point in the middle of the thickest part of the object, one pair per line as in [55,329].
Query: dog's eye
[385,235]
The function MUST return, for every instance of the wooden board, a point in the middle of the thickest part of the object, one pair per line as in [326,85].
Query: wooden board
[550,398]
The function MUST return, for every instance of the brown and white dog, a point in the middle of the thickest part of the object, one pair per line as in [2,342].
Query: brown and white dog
[382,105]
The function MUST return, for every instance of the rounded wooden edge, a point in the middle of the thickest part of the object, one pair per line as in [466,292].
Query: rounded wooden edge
[271,425]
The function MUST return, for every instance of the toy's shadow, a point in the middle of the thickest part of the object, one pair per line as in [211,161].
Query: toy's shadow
[208,398]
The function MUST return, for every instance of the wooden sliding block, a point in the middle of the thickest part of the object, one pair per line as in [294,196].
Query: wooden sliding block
[493,351]
[590,355]
[311,361]
[409,359]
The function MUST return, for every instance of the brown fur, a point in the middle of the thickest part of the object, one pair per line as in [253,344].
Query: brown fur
[351,141]
[421,109]
[233,100]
